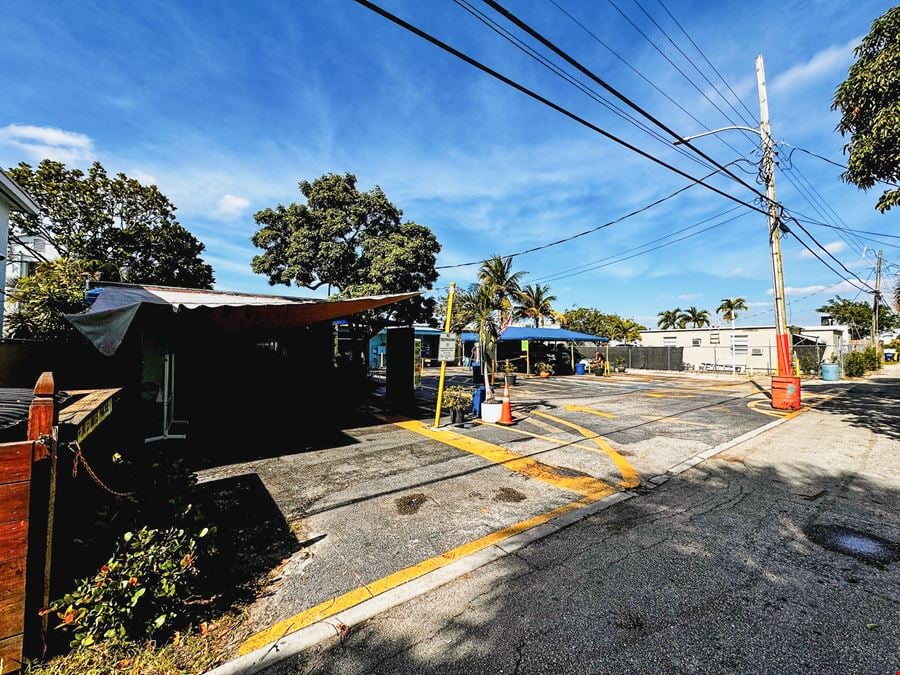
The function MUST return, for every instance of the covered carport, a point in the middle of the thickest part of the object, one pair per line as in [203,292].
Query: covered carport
[524,346]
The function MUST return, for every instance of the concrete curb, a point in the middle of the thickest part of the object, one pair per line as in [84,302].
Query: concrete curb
[298,641]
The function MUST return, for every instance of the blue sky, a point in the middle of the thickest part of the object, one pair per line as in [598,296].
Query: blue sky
[226,106]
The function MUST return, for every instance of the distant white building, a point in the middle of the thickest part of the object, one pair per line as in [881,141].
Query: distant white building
[12,198]
[710,348]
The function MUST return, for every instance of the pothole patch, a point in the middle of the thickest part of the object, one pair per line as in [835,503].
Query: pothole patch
[410,504]
[506,494]
[863,546]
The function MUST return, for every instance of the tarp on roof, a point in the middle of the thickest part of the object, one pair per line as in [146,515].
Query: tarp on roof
[540,335]
[115,307]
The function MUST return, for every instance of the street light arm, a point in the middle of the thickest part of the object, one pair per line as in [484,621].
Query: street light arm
[715,131]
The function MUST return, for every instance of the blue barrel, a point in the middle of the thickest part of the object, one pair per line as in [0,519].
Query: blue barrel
[831,372]
[579,369]
[477,398]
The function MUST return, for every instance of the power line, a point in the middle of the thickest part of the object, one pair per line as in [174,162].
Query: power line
[558,108]
[556,70]
[585,232]
[596,264]
[640,74]
[691,61]
[825,262]
[715,70]
[831,161]
[615,92]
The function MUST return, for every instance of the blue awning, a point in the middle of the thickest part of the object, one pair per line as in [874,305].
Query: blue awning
[540,335]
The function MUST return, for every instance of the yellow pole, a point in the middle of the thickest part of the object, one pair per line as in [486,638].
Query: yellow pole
[527,359]
[606,365]
[440,394]
[572,350]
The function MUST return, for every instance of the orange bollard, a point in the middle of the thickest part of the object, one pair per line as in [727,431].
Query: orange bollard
[506,411]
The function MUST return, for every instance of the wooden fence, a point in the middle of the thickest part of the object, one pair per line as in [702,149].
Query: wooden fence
[24,527]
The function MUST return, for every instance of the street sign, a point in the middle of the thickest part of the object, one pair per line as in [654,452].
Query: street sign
[524,345]
[417,363]
[447,347]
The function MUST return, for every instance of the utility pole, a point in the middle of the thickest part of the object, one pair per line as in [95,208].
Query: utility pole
[875,299]
[783,339]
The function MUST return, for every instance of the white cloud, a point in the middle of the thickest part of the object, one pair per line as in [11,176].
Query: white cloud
[833,247]
[48,142]
[822,63]
[689,296]
[143,177]
[231,206]
[841,287]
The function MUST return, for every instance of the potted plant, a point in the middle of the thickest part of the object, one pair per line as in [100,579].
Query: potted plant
[456,400]
[620,365]
[599,369]
[544,368]
[510,372]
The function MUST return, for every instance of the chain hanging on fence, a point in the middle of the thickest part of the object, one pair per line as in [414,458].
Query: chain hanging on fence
[75,448]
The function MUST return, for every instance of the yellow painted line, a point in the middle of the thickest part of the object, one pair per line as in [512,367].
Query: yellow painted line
[630,478]
[675,420]
[335,605]
[587,486]
[590,411]
[657,394]
[542,437]
[540,425]
[764,406]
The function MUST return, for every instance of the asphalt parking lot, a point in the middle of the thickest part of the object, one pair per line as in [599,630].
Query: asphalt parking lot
[393,499]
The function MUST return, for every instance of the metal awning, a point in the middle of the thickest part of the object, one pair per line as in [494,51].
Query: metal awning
[115,307]
[539,335]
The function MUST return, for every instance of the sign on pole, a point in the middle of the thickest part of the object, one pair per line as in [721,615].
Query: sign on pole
[524,345]
[417,363]
[447,347]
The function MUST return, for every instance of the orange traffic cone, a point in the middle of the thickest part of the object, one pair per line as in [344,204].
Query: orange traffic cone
[506,412]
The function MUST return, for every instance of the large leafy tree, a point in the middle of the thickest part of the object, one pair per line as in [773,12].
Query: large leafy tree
[591,321]
[857,316]
[626,330]
[730,307]
[536,303]
[869,103]
[698,318]
[354,242]
[110,220]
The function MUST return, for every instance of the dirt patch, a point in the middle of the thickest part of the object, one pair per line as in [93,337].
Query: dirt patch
[410,504]
[731,458]
[506,494]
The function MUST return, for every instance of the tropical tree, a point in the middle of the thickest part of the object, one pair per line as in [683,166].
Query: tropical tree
[868,101]
[730,307]
[669,318]
[858,316]
[696,317]
[535,302]
[501,282]
[626,330]
[109,220]
[42,299]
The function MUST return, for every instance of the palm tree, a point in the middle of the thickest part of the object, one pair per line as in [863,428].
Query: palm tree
[477,308]
[730,307]
[692,315]
[535,302]
[729,310]
[502,283]
[668,318]
[626,330]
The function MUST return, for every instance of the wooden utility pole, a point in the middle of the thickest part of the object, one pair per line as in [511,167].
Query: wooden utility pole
[768,165]
[875,299]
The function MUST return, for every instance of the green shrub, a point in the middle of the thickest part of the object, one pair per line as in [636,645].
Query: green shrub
[872,360]
[855,364]
[140,592]
[809,362]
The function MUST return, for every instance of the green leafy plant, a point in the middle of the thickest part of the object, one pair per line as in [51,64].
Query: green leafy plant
[855,364]
[509,368]
[140,592]
[543,367]
[809,363]
[457,397]
[873,361]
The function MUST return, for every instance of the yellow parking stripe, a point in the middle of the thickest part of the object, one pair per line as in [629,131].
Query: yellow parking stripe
[558,441]
[587,486]
[590,411]
[630,478]
[659,394]
[335,605]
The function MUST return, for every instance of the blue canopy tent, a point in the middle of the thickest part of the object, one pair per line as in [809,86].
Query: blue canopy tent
[515,334]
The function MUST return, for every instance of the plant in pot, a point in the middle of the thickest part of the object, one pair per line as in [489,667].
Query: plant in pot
[620,365]
[544,368]
[456,400]
[510,372]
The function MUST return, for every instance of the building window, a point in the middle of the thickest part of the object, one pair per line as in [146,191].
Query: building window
[756,351]
[695,342]
[713,338]
[669,341]
[740,344]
